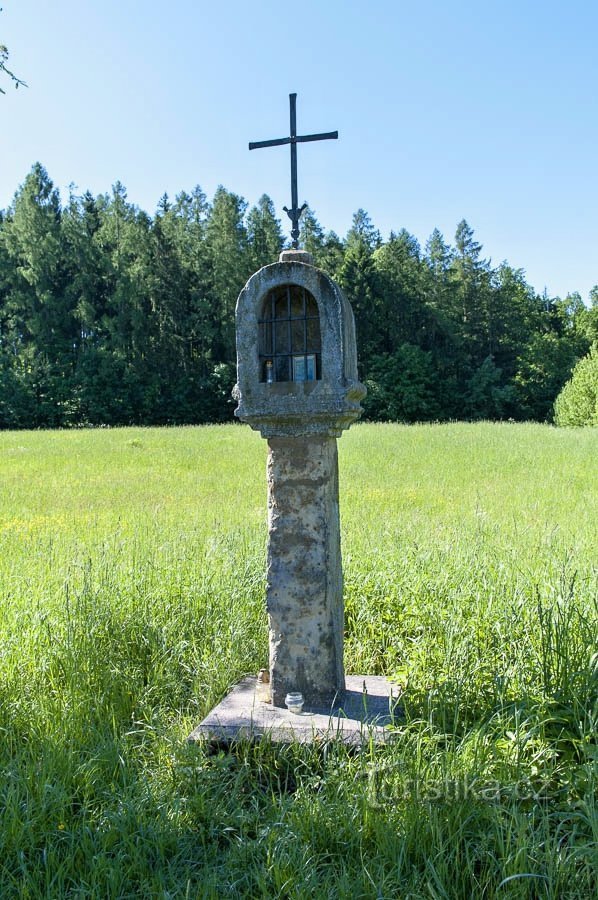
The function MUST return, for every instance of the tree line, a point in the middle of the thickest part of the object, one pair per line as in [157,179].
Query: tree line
[110,316]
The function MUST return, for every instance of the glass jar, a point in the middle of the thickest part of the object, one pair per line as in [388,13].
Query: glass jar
[294,702]
[262,687]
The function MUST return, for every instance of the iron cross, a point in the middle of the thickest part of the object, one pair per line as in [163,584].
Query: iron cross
[294,213]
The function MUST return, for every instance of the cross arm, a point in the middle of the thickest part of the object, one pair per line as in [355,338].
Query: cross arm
[255,145]
[329,136]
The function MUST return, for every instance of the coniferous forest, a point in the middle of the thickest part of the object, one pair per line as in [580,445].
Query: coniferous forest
[109,316]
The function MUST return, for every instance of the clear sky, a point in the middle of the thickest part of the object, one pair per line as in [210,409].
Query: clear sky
[446,110]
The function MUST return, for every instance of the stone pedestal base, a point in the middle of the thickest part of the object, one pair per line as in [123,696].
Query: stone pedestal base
[304,593]
[366,710]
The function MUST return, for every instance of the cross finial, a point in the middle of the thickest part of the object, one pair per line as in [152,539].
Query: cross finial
[294,213]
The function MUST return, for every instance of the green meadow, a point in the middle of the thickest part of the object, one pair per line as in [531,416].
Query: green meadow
[131,597]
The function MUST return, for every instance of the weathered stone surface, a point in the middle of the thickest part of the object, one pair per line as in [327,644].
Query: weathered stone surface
[301,256]
[326,406]
[365,711]
[304,594]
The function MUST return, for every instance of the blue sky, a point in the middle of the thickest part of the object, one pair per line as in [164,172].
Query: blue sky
[484,111]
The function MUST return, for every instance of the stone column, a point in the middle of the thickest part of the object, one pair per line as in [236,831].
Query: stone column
[304,592]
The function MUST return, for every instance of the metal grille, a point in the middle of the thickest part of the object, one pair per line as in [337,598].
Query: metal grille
[289,336]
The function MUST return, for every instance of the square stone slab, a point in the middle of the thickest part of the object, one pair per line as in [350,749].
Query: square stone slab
[366,711]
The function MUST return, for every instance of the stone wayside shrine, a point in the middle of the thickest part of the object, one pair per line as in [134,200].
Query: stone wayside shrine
[297,385]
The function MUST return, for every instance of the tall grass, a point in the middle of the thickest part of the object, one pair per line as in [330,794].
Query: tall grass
[131,598]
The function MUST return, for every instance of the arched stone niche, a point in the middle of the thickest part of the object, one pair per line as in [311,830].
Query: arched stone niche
[313,387]
[289,339]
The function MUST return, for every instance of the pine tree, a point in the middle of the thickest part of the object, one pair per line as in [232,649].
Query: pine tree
[517,314]
[471,293]
[37,300]
[438,288]
[401,312]
[363,232]
[190,213]
[230,265]
[439,296]
[264,234]
[311,235]
[357,277]
[327,249]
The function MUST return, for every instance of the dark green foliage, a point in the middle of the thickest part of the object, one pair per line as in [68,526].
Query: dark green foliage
[403,387]
[109,316]
[487,397]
